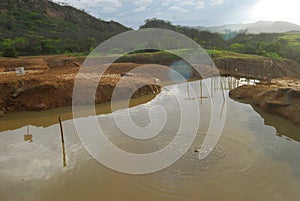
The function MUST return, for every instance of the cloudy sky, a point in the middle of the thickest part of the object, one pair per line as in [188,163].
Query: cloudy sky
[133,13]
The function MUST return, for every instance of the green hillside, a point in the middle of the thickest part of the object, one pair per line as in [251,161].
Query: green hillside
[206,39]
[291,43]
[273,45]
[34,27]
[285,45]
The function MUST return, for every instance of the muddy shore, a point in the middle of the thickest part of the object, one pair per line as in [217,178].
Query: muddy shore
[49,80]
[282,97]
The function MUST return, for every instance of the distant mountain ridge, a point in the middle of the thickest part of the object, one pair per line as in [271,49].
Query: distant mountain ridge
[256,28]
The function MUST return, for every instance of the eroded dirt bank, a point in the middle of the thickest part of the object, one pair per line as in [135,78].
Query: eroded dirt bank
[43,89]
[49,80]
[242,67]
[281,97]
[257,68]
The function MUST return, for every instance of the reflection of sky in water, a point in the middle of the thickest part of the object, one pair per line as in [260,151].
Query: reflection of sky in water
[249,158]
[181,67]
[24,160]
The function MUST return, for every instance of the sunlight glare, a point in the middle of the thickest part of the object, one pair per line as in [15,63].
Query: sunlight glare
[277,10]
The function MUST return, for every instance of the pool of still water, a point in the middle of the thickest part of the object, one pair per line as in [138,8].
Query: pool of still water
[254,159]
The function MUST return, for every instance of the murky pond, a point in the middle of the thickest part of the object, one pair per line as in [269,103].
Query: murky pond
[255,158]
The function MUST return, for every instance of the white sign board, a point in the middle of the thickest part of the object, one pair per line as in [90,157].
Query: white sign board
[20,71]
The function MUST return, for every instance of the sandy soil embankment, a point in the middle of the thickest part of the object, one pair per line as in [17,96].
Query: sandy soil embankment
[256,68]
[49,80]
[52,85]
[281,97]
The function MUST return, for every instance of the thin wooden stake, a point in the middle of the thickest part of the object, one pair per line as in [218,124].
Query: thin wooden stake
[188,90]
[211,87]
[22,81]
[222,88]
[28,136]
[201,91]
[62,142]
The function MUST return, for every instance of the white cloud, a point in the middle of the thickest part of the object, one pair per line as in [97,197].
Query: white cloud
[106,5]
[143,3]
[186,12]
[271,10]
[217,2]
[178,9]
[187,3]
[193,4]
[157,9]
[121,14]
[139,9]
[166,2]
[108,9]
[200,5]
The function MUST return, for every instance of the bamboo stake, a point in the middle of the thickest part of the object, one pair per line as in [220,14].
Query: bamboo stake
[62,142]
[201,91]
[211,87]
[188,90]
[222,88]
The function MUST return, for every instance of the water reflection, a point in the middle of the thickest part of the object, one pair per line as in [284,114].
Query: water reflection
[249,163]
[62,141]
[284,128]
[28,136]
[48,118]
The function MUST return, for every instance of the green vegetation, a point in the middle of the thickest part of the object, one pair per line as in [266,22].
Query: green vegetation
[291,45]
[231,55]
[169,57]
[39,27]
[206,39]
[272,45]
[158,57]
[263,44]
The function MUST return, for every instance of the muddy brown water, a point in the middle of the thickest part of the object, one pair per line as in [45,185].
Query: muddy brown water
[252,160]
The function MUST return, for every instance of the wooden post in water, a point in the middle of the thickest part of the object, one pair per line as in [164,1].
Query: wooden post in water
[188,90]
[28,136]
[211,87]
[62,142]
[215,85]
[222,88]
[201,91]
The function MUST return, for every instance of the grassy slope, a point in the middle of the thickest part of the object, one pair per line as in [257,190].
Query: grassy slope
[38,27]
[218,54]
[292,40]
[45,18]
[163,57]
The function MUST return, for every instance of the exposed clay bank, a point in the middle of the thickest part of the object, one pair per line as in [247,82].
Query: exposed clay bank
[49,80]
[281,97]
[43,89]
